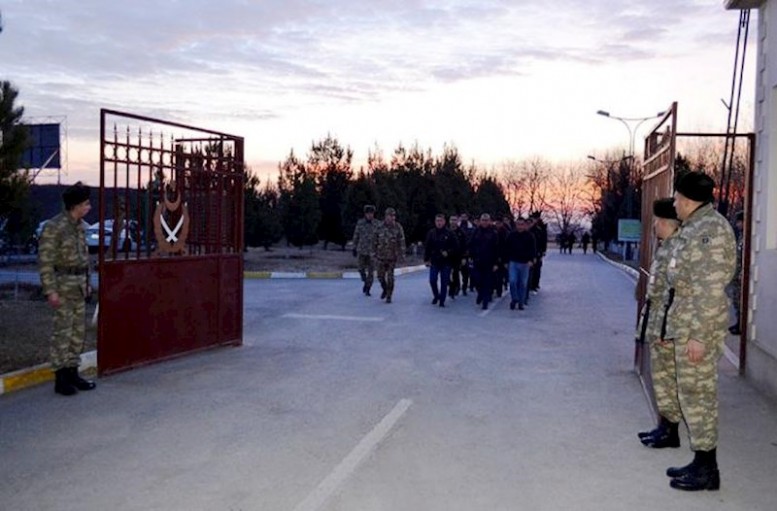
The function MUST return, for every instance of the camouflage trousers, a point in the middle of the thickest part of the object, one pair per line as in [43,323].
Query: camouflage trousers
[697,393]
[662,370]
[366,269]
[67,338]
[386,274]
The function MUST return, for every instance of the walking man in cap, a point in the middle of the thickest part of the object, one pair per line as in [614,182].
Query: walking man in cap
[651,326]
[64,275]
[389,248]
[702,263]
[364,246]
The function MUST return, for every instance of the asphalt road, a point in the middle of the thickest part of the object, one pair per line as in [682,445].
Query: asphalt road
[341,402]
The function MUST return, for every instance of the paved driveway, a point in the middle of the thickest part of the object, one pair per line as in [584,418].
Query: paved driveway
[341,402]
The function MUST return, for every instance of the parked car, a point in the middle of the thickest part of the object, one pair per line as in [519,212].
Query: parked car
[128,236]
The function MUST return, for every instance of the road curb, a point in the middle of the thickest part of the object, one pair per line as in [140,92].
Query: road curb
[320,274]
[42,373]
[631,272]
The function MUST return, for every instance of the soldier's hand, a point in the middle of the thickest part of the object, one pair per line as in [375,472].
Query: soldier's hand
[695,351]
[53,299]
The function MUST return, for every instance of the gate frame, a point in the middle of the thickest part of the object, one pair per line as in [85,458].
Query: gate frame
[658,165]
[157,307]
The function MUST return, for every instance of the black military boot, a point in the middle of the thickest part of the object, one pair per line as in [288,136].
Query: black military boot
[665,435]
[701,474]
[79,382]
[62,383]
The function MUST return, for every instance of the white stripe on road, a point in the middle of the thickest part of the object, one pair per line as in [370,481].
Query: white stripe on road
[493,305]
[348,466]
[329,316]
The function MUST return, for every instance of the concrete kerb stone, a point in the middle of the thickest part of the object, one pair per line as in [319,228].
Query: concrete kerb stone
[24,378]
[631,272]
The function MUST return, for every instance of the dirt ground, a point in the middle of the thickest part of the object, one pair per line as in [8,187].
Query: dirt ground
[26,319]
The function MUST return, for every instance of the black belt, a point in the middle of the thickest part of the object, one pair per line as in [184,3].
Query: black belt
[71,270]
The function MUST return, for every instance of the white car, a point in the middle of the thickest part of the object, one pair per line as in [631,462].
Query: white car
[128,236]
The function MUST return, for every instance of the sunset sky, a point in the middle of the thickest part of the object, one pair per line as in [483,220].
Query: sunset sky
[500,80]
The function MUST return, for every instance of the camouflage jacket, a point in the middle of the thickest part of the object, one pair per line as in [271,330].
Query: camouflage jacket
[62,246]
[657,290]
[364,236]
[389,241]
[701,265]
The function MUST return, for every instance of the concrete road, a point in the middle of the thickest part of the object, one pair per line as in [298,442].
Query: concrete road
[341,402]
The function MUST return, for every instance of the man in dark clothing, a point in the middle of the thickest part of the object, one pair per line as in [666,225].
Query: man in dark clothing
[484,249]
[457,257]
[540,232]
[438,251]
[467,229]
[502,227]
[520,250]
[585,240]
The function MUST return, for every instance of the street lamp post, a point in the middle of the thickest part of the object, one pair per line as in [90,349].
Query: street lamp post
[632,125]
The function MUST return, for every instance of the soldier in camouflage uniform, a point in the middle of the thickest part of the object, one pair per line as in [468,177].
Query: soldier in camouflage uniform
[652,322]
[389,248]
[64,275]
[701,265]
[364,246]
[735,287]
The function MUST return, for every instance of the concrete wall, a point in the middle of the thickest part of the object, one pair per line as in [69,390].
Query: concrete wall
[761,365]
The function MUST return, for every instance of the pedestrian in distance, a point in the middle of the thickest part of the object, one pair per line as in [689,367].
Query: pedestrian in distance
[389,247]
[439,248]
[540,232]
[652,327]
[701,265]
[520,250]
[364,246]
[63,257]
[585,240]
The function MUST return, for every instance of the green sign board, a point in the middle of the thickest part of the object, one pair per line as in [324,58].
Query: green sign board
[629,230]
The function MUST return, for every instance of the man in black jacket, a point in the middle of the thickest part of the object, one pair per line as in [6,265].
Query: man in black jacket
[484,250]
[439,249]
[457,257]
[521,251]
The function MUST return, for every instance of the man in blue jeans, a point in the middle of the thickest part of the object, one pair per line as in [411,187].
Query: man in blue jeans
[520,250]
[439,250]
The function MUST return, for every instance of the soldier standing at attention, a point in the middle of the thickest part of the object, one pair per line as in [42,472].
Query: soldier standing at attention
[64,275]
[701,265]
[652,322]
[364,246]
[389,248]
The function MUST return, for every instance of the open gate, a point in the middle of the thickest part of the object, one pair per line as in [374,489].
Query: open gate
[169,241]
[657,182]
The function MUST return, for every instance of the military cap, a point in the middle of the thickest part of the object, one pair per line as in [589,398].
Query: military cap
[696,186]
[664,208]
[369,208]
[391,211]
[75,195]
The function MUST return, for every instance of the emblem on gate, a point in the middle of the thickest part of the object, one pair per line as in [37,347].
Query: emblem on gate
[171,222]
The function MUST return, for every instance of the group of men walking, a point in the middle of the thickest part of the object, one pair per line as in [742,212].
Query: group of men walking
[685,319]
[481,256]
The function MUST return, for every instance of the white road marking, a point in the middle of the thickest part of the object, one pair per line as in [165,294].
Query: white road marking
[493,305]
[333,317]
[347,467]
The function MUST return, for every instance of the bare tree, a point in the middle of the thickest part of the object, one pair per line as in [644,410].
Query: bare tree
[566,204]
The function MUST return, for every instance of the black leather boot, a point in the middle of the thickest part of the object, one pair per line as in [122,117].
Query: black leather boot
[79,382]
[665,435]
[62,383]
[701,474]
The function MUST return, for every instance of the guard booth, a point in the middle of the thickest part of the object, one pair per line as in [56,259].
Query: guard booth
[169,241]
[658,175]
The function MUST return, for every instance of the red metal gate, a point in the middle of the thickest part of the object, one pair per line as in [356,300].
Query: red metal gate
[170,240]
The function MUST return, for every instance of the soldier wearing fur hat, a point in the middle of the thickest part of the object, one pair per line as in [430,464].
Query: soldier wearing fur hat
[651,325]
[363,247]
[701,265]
[64,273]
